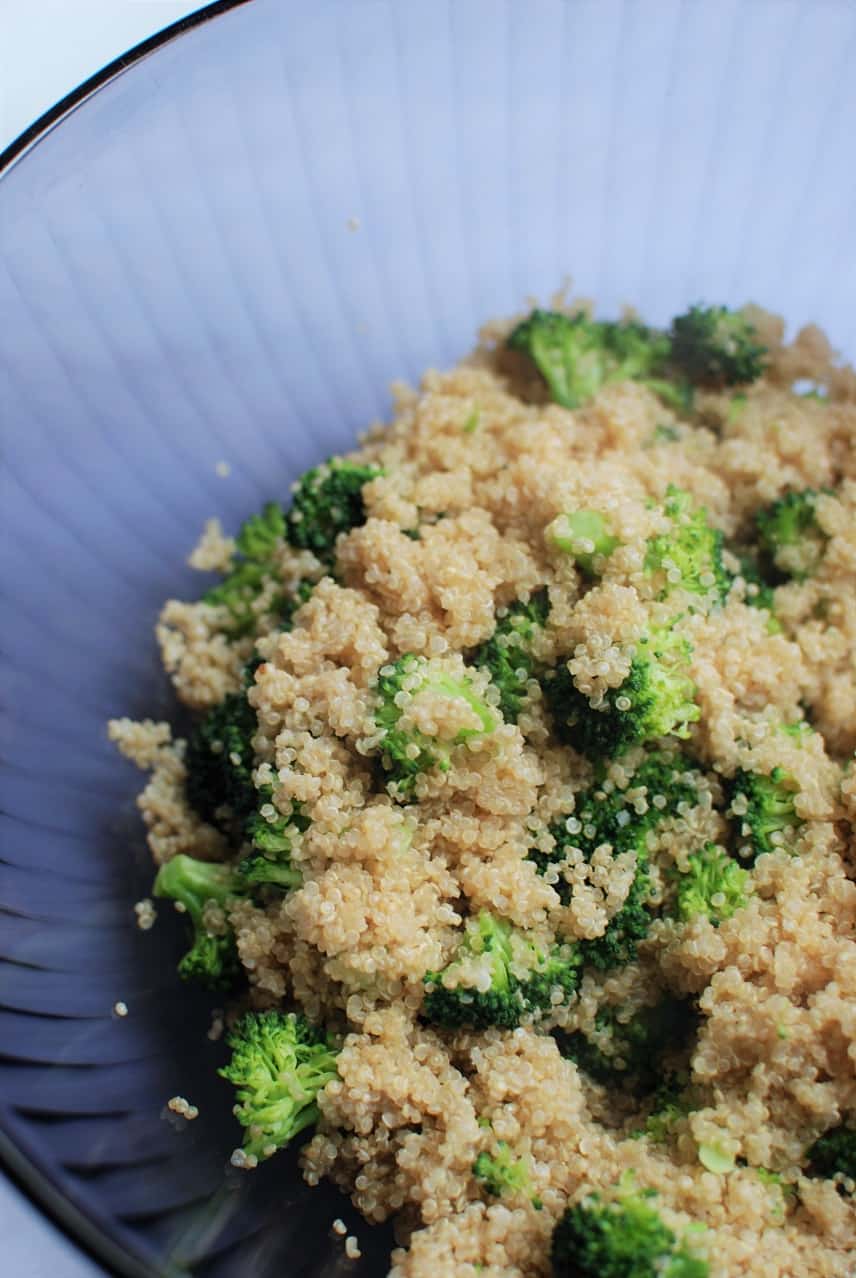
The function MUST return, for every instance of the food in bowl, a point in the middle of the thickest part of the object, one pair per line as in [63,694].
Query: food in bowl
[518,810]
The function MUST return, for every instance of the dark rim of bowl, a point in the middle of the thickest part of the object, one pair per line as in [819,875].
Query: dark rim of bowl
[22,1169]
[110,71]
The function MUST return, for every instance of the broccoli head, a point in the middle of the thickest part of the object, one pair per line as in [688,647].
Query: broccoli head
[673,1099]
[655,700]
[288,605]
[498,977]
[272,834]
[219,763]
[625,1046]
[764,806]
[507,655]
[327,501]
[624,1238]
[279,1065]
[502,1173]
[713,346]
[586,535]
[212,959]
[689,556]
[254,565]
[577,356]
[713,885]
[790,535]
[758,593]
[661,786]
[833,1156]
[268,871]
[628,926]
[407,752]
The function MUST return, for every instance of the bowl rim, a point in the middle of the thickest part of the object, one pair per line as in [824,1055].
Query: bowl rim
[22,1166]
[55,115]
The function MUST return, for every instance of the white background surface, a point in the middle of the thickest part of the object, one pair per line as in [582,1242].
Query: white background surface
[48,48]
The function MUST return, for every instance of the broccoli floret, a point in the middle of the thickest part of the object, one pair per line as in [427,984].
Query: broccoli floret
[279,1065]
[713,885]
[219,763]
[267,871]
[507,655]
[613,816]
[253,565]
[287,605]
[759,593]
[502,1173]
[764,806]
[655,700]
[674,1098]
[627,927]
[212,960]
[714,346]
[328,500]
[663,433]
[274,837]
[790,535]
[689,556]
[625,1238]
[522,979]
[272,841]
[577,355]
[407,752]
[657,788]
[586,535]
[627,1047]
[833,1155]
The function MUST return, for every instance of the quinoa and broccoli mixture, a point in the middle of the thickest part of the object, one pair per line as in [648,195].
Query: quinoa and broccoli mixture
[518,812]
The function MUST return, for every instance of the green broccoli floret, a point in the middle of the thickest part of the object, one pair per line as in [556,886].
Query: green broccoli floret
[274,836]
[790,535]
[713,885]
[764,806]
[655,700]
[328,500]
[267,871]
[219,763]
[253,565]
[287,605]
[627,927]
[517,979]
[272,839]
[279,1065]
[628,1046]
[713,346]
[759,593]
[674,1098]
[661,786]
[212,960]
[833,1155]
[586,535]
[625,1238]
[502,1173]
[577,355]
[507,655]
[407,752]
[689,556]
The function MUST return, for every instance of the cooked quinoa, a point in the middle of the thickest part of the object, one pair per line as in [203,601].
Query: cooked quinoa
[472,470]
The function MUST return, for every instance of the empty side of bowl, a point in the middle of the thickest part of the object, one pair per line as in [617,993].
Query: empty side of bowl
[226,255]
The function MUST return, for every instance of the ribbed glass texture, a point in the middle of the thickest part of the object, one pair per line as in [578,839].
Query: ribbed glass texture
[227,254]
